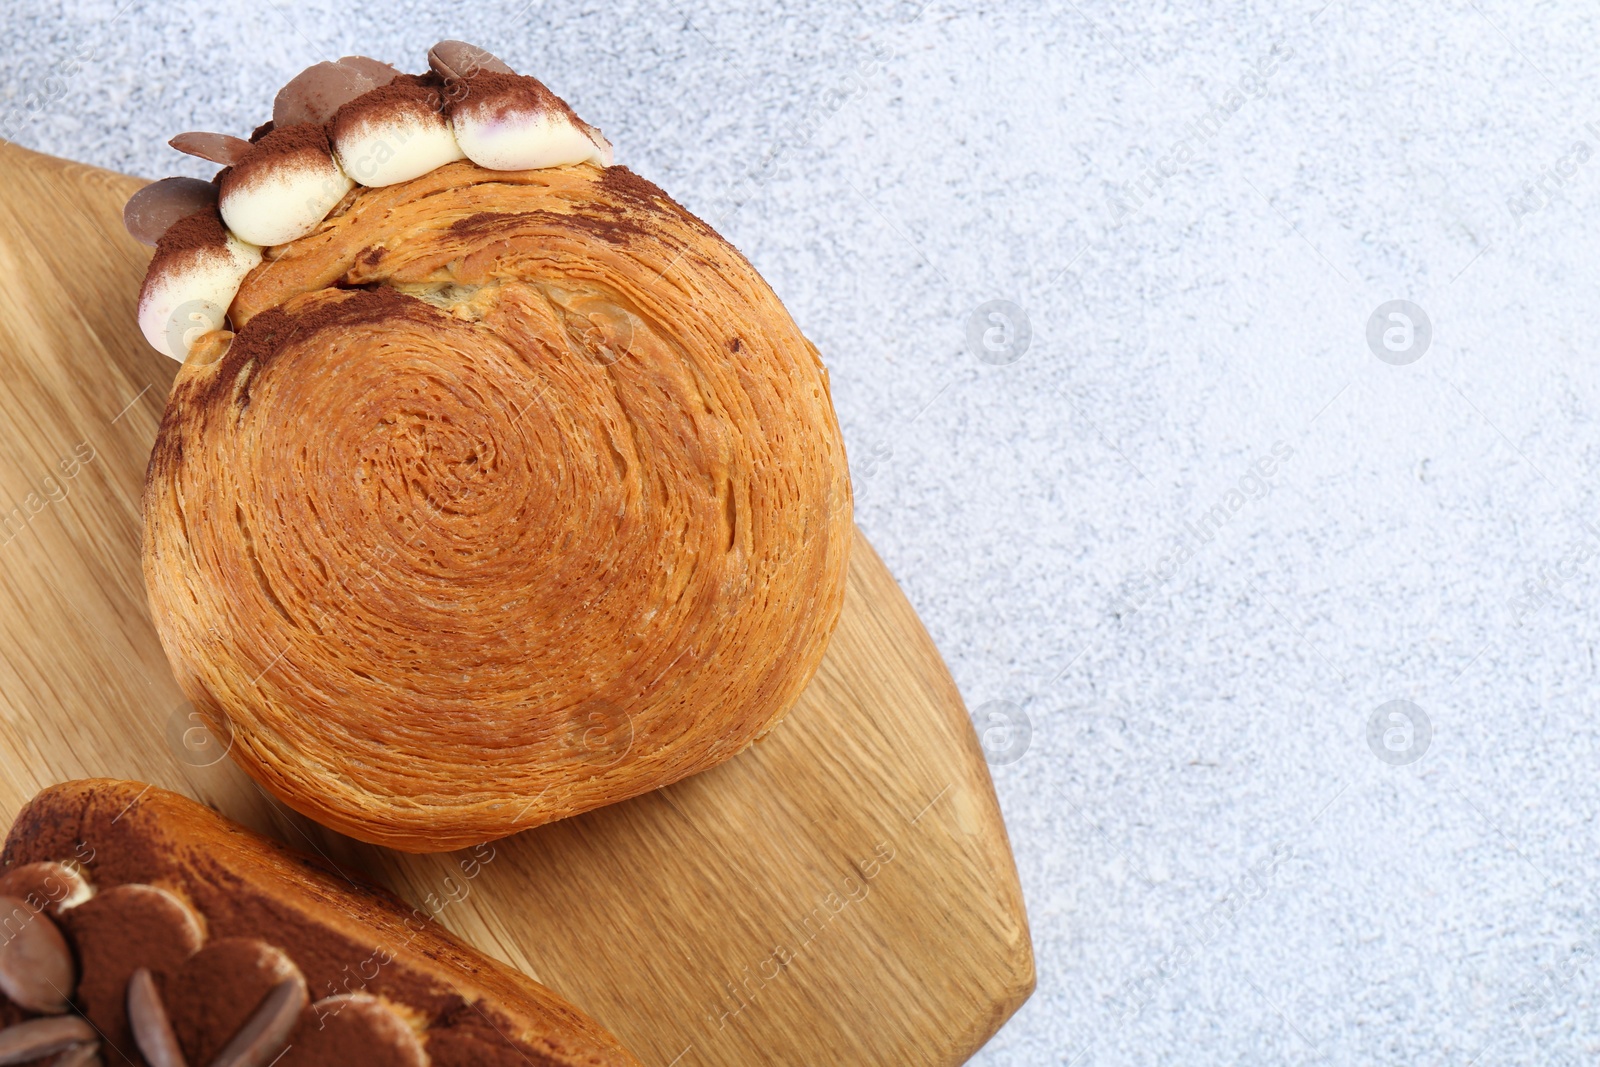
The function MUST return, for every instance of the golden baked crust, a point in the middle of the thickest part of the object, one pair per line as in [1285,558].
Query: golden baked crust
[516,494]
[344,937]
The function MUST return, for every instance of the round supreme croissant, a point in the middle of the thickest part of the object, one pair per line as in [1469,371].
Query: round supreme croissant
[506,489]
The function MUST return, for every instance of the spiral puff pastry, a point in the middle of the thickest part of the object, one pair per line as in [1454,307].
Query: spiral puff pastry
[515,494]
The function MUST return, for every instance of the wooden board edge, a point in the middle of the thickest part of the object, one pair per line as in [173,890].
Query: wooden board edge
[1021,978]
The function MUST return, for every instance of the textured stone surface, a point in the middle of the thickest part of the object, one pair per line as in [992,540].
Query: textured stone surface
[1219,867]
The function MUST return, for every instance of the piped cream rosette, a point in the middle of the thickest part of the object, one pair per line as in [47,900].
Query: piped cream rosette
[335,126]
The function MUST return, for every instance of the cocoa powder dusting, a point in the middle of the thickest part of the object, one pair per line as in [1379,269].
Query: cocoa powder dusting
[215,992]
[468,1040]
[339,1039]
[641,193]
[486,221]
[304,143]
[193,236]
[625,185]
[303,138]
[263,336]
[414,95]
[490,95]
[616,230]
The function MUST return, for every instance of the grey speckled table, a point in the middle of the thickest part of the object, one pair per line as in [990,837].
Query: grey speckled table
[1276,599]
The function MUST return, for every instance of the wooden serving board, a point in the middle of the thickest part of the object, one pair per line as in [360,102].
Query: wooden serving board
[842,893]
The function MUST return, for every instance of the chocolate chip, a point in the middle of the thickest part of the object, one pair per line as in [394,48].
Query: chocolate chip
[458,59]
[217,147]
[152,1030]
[35,963]
[317,92]
[36,1038]
[153,210]
[380,73]
[51,887]
[261,1039]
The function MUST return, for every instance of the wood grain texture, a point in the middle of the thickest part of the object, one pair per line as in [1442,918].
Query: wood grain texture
[841,893]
